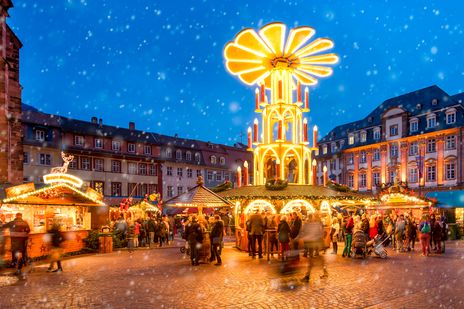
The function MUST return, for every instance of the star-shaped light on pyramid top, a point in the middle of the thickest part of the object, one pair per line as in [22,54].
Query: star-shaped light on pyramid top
[252,56]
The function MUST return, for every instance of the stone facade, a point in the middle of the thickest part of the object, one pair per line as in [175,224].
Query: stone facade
[11,150]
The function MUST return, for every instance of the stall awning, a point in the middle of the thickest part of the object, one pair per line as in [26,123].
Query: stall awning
[448,199]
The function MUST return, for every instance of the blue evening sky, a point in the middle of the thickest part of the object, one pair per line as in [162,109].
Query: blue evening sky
[160,64]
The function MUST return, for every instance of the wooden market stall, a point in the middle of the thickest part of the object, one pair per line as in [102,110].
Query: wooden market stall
[60,200]
[302,199]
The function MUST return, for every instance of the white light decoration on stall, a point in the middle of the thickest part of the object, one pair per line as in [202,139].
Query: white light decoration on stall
[325,208]
[260,205]
[296,206]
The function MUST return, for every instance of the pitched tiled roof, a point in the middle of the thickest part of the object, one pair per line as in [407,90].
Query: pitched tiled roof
[197,196]
[291,191]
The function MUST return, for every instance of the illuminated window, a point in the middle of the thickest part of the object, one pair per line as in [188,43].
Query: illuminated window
[98,186]
[78,140]
[98,143]
[363,136]
[39,135]
[324,149]
[213,159]
[222,161]
[351,139]
[450,142]
[131,147]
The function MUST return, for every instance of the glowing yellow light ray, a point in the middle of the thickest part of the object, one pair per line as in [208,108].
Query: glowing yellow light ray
[305,78]
[250,39]
[240,67]
[296,38]
[252,77]
[274,36]
[315,70]
[314,47]
[320,59]
[236,52]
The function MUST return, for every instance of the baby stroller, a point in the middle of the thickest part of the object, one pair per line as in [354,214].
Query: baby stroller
[359,244]
[378,244]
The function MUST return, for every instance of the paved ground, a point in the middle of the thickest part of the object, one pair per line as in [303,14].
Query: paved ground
[164,279]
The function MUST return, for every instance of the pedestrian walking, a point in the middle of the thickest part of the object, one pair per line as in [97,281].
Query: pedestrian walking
[56,250]
[121,227]
[444,233]
[399,233]
[372,226]
[249,237]
[151,227]
[437,236]
[271,230]
[136,233]
[412,234]
[19,235]
[130,236]
[257,231]
[334,235]
[348,236]
[295,228]
[217,235]
[283,232]
[425,230]
[311,234]
[194,236]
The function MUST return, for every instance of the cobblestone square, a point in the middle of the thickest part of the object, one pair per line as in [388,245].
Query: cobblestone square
[163,278]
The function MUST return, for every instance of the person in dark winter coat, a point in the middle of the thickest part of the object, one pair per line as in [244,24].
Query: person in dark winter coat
[217,234]
[295,228]
[19,234]
[194,236]
[56,252]
[257,231]
[283,232]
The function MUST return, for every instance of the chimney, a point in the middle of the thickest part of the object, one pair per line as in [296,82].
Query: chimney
[131,125]
[100,122]
[94,120]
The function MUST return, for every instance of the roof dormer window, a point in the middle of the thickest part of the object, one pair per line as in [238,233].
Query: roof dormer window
[351,139]
[435,102]
[418,106]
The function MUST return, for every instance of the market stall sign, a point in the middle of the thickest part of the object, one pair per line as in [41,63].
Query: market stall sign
[63,178]
[18,190]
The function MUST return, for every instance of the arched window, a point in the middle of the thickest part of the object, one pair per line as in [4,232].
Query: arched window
[178,154]
[213,159]
[222,161]
[197,157]
[188,156]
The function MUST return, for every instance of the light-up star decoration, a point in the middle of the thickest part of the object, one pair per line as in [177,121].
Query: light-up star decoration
[252,56]
[280,64]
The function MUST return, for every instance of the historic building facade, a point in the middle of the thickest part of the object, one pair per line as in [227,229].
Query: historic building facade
[415,138]
[10,102]
[120,162]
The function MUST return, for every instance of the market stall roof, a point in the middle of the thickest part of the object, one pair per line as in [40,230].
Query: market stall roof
[448,199]
[400,200]
[59,194]
[145,206]
[198,196]
[293,191]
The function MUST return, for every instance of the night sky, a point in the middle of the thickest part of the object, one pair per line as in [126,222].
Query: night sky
[160,63]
